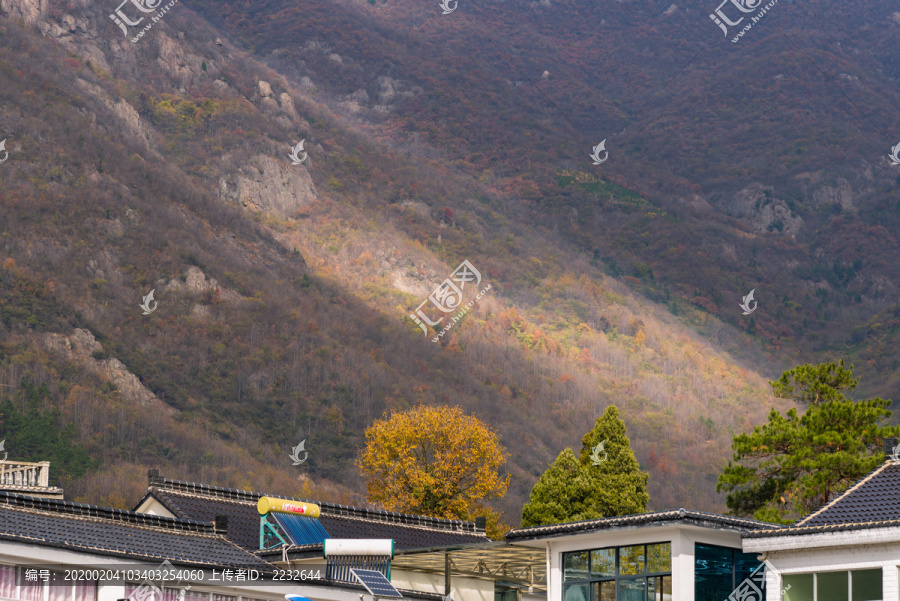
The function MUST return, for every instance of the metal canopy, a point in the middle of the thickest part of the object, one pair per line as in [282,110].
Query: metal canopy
[520,566]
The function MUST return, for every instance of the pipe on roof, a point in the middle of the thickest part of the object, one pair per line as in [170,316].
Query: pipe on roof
[269,504]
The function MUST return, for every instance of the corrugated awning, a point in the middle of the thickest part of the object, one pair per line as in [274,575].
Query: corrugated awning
[520,566]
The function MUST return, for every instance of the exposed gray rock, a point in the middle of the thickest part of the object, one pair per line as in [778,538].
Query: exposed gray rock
[180,66]
[268,105]
[360,96]
[80,348]
[287,107]
[840,195]
[264,89]
[419,207]
[757,206]
[266,184]
[196,283]
[28,11]
[124,112]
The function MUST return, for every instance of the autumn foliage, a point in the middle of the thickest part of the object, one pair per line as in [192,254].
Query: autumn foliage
[434,461]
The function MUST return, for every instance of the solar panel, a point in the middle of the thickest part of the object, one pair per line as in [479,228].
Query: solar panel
[376,583]
[301,529]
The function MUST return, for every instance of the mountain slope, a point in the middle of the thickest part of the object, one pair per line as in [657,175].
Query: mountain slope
[284,290]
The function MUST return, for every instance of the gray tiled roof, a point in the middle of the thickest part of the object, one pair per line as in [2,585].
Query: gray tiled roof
[203,503]
[873,502]
[118,533]
[659,518]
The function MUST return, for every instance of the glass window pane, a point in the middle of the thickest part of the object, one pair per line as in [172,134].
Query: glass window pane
[603,563]
[832,586]
[59,588]
[744,564]
[659,558]
[713,572]
[866,585]
[665,588]
[575,565]
[798,587]
[632,589]
[577,592]
[8,581]
[659,588]
[605,591]
[631,560]
[30,590]
[85,590]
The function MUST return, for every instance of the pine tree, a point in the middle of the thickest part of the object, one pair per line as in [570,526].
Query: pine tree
[559,495]
[605,481]
[791,465]
[618,486]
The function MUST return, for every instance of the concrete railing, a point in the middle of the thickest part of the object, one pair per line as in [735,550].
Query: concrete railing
[21,473]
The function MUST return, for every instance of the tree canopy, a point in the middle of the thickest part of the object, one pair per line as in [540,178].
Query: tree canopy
[37,433]
[795,463]
[434,461]
[604,481]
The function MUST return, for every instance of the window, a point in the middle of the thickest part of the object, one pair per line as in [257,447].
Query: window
[504,592]
[855,585]
[630,573]
[41,585]
[719,570]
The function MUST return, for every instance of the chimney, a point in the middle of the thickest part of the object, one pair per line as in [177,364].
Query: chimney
[889,444]
[221,524]
[480,523]
[152,477]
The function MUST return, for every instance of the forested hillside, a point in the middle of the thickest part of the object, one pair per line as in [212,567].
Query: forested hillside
[757,165]
[284,291]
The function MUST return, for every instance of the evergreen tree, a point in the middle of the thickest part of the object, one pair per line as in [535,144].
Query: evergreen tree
[559,495]
[618,486]
[605,481]
[36,433]
[795,463]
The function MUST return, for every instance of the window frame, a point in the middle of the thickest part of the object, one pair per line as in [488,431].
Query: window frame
[734,563]
[617,577]
[46,585]
[849,573]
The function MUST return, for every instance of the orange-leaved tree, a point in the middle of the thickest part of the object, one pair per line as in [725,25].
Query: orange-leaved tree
[435,461]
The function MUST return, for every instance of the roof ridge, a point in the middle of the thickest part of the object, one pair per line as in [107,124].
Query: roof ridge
[327,509]
[839,527]
[826,506]
[58,506]
[171,505]
[637,517]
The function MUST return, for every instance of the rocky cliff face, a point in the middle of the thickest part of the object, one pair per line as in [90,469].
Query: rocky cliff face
[267,184]
[82,348]
[262,182]
[758,206]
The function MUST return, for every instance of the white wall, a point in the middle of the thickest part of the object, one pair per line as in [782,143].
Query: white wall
[154,507]
[857,557]
[462,588]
